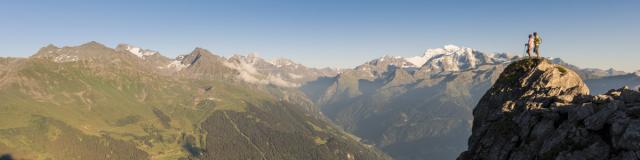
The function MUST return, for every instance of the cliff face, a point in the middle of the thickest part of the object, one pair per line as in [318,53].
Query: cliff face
[539,110]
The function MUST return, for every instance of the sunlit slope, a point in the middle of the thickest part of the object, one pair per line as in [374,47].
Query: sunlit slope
[112,105]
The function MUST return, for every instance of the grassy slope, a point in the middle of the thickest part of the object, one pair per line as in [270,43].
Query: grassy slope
[118,102]
[119,106]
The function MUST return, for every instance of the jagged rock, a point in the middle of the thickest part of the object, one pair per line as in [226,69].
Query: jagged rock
[565,98]
[582,99]
[626,155]
[582,112]
[619,122]
[629,96]
[538,110]
[631,138]
[597,120]
[602,99]
[598,150]
[633,111]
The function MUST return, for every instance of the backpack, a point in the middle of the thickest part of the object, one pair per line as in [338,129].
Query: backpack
[537,40]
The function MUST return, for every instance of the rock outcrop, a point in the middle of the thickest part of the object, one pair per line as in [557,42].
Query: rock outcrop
[539,110]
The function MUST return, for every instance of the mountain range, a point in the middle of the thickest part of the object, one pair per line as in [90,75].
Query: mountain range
[96,102]
[421,106]
[128,102]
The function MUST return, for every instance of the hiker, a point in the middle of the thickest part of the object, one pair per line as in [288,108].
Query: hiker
[529,45]
[537,40]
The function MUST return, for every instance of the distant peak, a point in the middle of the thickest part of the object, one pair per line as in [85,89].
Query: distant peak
[447,49]
[451,47]
[142,53]
[253,55]
[124,46]
[199,55]
[46,51]
[199,50]
[93,44]
[51,46]
[282,62]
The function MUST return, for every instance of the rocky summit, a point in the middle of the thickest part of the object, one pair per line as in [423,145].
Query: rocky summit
[540,110]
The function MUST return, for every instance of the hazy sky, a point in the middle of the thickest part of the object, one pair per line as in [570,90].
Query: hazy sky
[341,33]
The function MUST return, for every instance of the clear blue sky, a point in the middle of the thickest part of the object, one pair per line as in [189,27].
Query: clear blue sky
[341,33]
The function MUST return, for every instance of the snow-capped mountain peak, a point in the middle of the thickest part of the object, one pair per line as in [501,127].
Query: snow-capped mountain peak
[177,64]
[142,53]
[451,47]
[455,58]
[448,58]
[255,59]
[280,62]
[418,60]
[430,53]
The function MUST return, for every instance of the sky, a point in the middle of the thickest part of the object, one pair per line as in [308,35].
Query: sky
[328,33]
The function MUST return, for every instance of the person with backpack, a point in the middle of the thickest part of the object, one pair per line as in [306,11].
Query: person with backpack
[529,45]
[537,41]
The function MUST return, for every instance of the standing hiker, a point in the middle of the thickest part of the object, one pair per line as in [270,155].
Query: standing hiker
[537,40]
[530,45]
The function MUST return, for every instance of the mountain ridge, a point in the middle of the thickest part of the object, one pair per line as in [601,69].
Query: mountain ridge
[436,56]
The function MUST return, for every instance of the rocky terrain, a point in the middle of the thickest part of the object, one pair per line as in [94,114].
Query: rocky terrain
[540,110]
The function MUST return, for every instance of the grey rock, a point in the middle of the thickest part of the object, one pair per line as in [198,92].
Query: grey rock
[565,98]
[630,96]
[619,122]
[536,110]
[598,150]
[581,112]
[630,139]
[633,111]
[626,156]
[582,99]
[602,98]
[597,120]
